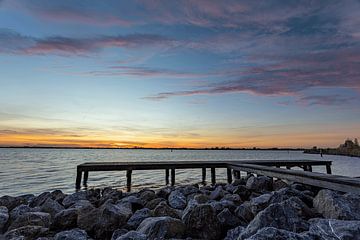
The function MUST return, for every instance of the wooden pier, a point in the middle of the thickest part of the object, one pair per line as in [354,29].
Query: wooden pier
[280,169]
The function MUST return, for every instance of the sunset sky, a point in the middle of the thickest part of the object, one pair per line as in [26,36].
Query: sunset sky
[189,73]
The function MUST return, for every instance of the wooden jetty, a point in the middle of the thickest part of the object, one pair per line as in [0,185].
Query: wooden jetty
[280,169]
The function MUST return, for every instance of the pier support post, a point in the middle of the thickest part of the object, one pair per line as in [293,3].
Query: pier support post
[288,167]
[172,176]
[167,176]
[128,180]
[237,174]
[310,168]
[86,176]
[328,168]
[229,175]
[78,179]
[204,176]
[213,176]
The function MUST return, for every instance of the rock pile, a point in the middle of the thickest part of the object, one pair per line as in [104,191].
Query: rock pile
[255,208]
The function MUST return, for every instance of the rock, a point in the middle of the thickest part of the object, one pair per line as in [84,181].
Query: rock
[244,212]
[4,217]
[217,194]
[164,192]
[234,233]
[259,184]
[52,207]
[65,219]
[87,219]
[243,192]
[153,203]
[162,227]
[109,193]
[73,234]
[147,195]
[39,200]
[288,215]
[220,205]
[177,199]
[31,218]
[163,209]
[336,206]
[31,232]
[235,198]
[11,202]
[117,233]
[270,233]
[237,182]
[332,229]
[190,189]
[19,210]
[82,205]
[260,203]
[227,219]
[201,222]
[138,217]
[279,184]
[201,198]
[286,193]
[73,198]
[132,235]
[58,195]
[134,202]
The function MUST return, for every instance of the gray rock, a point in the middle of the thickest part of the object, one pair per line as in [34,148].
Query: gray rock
[270,233]
[31,232]
[117,233]
[235,198]
[73,198]
[82,205]
[234,233]
[259,184]
[336,206]
[189,189]
[52,207]
[58,195]
[147,195]
[201,198]
[164,192]
[201,222]
[260,203]
[132,235]
[332,229]
[217,194]
[163,210]
[87,219]
[134,202]
[153,203]
[19,210]
[279,184]
[244,212]
[11,202]
[162,227]
[65,219]
[4,217]
[73,234]
[31,218]
[227,219]
[286,193]
[289,215]
[177,199]
[39,200]
[138,217]
[243,192]
[112,194]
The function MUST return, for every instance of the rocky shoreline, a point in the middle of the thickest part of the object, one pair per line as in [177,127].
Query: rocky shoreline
[252,208]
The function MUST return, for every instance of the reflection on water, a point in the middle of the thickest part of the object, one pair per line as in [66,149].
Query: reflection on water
[36,170]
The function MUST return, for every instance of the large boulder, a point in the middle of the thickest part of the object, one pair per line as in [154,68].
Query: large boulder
[26,232]
[133,202]
[73,234]
[138,217]
[131,235]
[336,206]
[260,203]
[270,233]
[332,229]
[177,199]
[162,227]
[58,195]
[73,198]
[227,219]
[87,219]
[147,195]
[19,210]
[244,212]
[40,199]
[153,203]
[234,233]
[163,210]
[218,193]
[52,207]
[11,202]
[259,184]
[31,218]
[201,221]
[289,215]
[66,219]
[4,217]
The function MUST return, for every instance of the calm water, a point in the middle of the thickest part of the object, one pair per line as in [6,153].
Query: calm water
[36,170]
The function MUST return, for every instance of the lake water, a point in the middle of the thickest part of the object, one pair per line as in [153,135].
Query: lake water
[25,171]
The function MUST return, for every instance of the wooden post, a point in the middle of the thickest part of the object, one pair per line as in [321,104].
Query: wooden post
[78,179]
[172,176]
[167,176]
[128,180]
[288,167]
[328,168]
[86,176]
[204,176]
[229,176]
[213,176]
[310,168]
[237,174]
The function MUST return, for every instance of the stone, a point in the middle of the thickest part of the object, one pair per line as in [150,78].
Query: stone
[164,192]
[244,212]
[31,232]
[243,192]
[147,195]
[234,233]
[220,205]
[58,195]
[4,217]
[260,203]
[40,199]
[227,219]
[289,215]
[117,233]
[235,198]
[110,193]
[73,234]
[189,189]
[82,205]
[11,202]
[19,210]
[65,219]
[73,198]
[87,219]
[237,182]
[259,184]
[132,235]
[177,199]
[138,217]
[332,229]
[270,233]
[51,206]
[31,218]
[134,202]
[162,209]
[279,184]
[153,203]
[217,194]
[201,198]
[201,222]
[336,206]
[162,227]
[286,193]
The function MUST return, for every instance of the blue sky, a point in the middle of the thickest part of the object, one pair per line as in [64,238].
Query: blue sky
[179,73]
